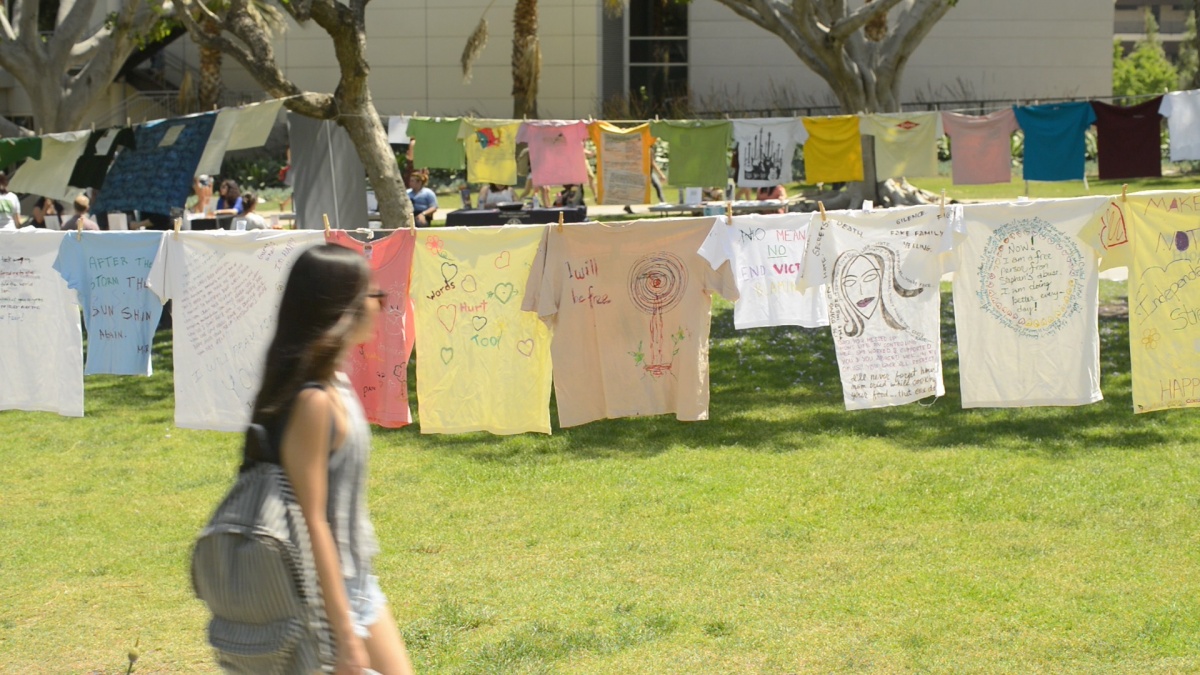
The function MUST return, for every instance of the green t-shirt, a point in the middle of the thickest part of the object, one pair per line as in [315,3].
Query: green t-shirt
[437,145]
[697,150]
[13,150]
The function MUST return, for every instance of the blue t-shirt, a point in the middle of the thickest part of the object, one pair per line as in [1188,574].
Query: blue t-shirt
[109,270]
[1054,141]
[425,199]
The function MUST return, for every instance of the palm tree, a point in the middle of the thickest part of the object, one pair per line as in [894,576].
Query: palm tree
[262,11]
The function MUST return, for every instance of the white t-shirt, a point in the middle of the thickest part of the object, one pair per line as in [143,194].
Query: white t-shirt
[766,147]
[226,288]
[765,253]
[1182,110]
[1025,302]
[41,364]
[10,211]
[905,143]
[881,272]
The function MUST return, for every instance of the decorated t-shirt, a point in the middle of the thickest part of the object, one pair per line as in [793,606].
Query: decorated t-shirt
[378,368]
[41,364]
[881,271]
[483,364]
[766,147]
[833,151]
[630,306]
[226,288]
[980,146]
[622,163]
[108,271]
[697,149]
[491,147]
[905,143]
[556,154]
[1156,232]
[765,253]
[1025,302]
[102,145]
[157,175]
[437,145]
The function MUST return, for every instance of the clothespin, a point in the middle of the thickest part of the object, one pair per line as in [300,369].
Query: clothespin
[79,228]
[821,206]
[560,222]
[325,216]
[93,127]
[1124,193]
[729,213]
[943,202]
[39,131]
[128,121]
[178,226]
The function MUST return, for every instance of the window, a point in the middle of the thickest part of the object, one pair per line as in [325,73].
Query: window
[658,51]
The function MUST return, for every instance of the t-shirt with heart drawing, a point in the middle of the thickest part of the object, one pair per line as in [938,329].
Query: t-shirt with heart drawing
[630,305]
[482,363]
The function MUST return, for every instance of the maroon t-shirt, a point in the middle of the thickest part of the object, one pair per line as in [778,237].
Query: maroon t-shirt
[1128,139]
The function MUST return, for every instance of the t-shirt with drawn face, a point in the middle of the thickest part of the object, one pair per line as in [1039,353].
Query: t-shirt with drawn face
[630,306]
[483,364]
[491,147]
[1025,302]
[765,252]
[378,368]
[556,154]
[881,272]
[226,287]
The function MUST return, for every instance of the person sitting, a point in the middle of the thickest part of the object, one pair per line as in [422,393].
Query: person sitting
[44,206]
[81,221]
[202,187]
[424,201]
[253,220]
[230,202]
[492,195]
[570,195]
[772,193]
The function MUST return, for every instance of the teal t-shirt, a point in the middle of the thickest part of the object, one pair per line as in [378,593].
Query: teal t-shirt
[697,149]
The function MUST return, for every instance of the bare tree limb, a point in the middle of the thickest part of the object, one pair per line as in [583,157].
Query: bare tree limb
[859,18]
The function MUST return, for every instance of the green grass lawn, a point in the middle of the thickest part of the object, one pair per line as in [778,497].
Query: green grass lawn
[785,535]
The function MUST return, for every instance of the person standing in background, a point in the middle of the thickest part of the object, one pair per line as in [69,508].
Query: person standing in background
[10,206]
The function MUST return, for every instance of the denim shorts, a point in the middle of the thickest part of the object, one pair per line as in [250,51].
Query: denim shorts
[366,599]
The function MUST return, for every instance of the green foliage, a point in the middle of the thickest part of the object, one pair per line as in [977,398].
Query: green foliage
[253,174]
[1145,70]
[1187,62]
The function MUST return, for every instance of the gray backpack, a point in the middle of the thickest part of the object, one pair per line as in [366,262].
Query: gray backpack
[253,566]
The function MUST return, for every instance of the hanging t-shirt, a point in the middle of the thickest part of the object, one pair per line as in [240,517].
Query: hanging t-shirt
[1182,110]
[226,287]
[630,307]
[882,272]
[437,144]
[622,163]
[980,146]
[1025,303]
[49,175]
[833,151]
[1054,139]
[398,129]
[378,368]
[905,143]
[556,154]
[102,145]
[766,147]
[1159,238]
[13,150]
[483,364]
[238,129]
[491,147]
[697,149]
[1128,139]
[121,313]
[765,253]
[157,175]
[42,358]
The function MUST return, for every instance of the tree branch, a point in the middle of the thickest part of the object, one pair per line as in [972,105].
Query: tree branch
[859,18]
[914,24]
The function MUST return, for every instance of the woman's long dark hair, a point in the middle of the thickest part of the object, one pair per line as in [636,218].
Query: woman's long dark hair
[322,305]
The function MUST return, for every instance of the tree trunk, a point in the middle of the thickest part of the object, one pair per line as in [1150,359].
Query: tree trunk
[526,59]
[370,140]
[209,94]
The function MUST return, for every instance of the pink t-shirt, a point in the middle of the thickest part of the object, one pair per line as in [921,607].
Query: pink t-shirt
[555,152]
[378,369]
[980,147]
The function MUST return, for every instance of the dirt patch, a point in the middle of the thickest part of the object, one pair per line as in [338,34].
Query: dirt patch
[1115,310]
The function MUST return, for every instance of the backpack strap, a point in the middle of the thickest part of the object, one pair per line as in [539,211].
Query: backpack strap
[269,438]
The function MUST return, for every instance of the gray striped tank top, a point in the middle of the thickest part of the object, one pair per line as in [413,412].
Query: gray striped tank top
[346,508]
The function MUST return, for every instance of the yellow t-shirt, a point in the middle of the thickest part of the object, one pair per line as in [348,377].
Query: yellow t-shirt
[482,363]
[1157,233]
[833,151]
[622,163]
[905,143]
[491,147]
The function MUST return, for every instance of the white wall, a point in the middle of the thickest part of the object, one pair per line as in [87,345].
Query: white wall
[999,49]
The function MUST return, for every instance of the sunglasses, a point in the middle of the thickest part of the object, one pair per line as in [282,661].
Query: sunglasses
[378,295]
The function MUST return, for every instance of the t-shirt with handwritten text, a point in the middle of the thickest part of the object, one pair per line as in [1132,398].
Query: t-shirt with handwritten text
[881,270]
[41,364]
[121,313]
[378,369]
[630,306]
[226,288]
[484,365]
[556,151]
[1025,302]
[765,253]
